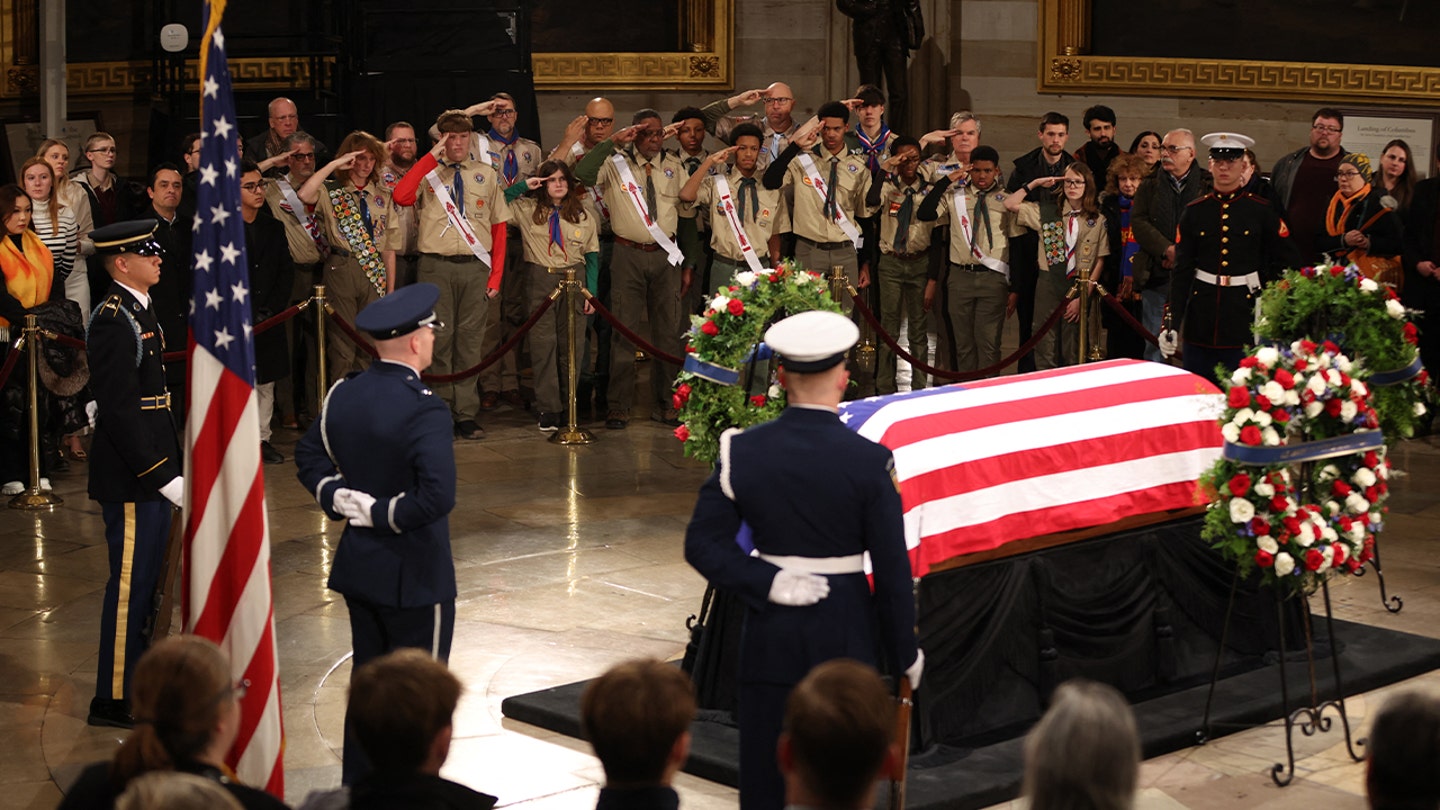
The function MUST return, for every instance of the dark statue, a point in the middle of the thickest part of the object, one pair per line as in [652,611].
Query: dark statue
[885,32]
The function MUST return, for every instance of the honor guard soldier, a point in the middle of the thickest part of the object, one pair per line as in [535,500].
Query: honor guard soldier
[1229,245]
[381,456]
[135,460]
[817,497]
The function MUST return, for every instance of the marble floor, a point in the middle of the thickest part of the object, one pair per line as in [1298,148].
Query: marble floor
[569,559]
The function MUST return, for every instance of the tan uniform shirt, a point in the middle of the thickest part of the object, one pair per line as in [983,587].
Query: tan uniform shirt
[1091,241]
[996,244]
[599,207]
[852,183]
[484,206]
[390,177]
[303,249]
[665,173]
[528,156]
[377,200]
[772,218]
[892,199]
[691,163]
[577,238]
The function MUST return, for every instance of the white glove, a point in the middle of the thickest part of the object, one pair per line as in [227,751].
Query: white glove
[174,490]
[91,409]
[797,588]
[913,673]
[354,505]
[1169,341]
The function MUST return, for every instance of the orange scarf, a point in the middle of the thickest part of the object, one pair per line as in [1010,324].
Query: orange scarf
[1335,225]
[28,275]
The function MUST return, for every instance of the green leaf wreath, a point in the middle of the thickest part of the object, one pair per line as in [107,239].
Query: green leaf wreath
[726,336]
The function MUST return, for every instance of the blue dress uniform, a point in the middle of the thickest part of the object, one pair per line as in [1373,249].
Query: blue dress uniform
[815,495]
[135,452]
[384,432]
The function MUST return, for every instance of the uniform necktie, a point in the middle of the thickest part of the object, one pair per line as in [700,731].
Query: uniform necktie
[830,188]
[510,168]
[902,221]
[691,164]
[365,213]
[650,191]
[749,183]
[982,214]
[457,189]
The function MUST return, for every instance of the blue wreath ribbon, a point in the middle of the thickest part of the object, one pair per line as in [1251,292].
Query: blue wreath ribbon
[1305,451]
[724,375]
[1397,376]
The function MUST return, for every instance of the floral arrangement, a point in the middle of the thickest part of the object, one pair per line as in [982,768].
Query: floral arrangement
[1337,303]
[728,336]
[1297,528]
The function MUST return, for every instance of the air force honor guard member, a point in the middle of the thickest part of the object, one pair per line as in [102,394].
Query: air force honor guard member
[816,496]
[135,460]
[1229,245]
[381,455]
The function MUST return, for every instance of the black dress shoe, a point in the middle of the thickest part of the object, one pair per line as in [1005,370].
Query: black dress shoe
[468,429]
[270,455]
[108,712]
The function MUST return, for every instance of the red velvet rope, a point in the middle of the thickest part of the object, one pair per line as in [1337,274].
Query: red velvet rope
[957,376]
[9,366]
[263,326]
[644,345]
[1119,308]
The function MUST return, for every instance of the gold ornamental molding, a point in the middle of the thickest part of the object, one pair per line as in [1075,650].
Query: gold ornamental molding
[88,79]
[1067,66]
[708,61]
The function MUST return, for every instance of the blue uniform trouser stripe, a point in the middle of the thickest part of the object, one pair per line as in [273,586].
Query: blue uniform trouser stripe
[135,534]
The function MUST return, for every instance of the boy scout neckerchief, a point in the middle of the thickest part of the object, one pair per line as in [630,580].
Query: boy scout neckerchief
[557,237]
[960,219]
[873,148]
[808,166]
[351,217]
[511,167]
[459,223]
[736,220]
[632,191]
[297,209]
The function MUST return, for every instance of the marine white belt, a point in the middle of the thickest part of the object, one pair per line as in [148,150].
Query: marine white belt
[1251,280]
[850,564]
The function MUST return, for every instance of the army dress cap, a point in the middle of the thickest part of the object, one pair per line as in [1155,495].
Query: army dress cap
[1227,145]
[812,341]
[400,312]
[132,236]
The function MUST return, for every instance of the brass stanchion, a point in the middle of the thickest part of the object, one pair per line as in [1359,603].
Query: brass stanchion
[34,498]
[320,370]
[1083,352]
[838,284]
[572,433]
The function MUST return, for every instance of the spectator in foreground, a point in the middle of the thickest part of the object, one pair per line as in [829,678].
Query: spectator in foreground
[1404,750]
[839,737]
[172,790]
[1084,754]
[402,708]
[637,718]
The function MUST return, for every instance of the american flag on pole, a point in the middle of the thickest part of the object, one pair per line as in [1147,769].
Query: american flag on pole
[985,463]
[227,536]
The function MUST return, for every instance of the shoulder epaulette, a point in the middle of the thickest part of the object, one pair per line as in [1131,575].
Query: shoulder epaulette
[112,305]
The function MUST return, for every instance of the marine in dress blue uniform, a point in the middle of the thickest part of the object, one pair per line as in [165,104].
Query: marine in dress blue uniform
[816,497]
[135,460]
[381,455]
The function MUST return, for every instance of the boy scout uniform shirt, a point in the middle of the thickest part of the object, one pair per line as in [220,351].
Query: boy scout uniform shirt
[937,167]
[484,206]
[527,156]
[303,249]
[577,238]
[377,200]
[667,175]
[772,218]
[853,180]
[892,197]
[1090,243]
[570,159]
[399,216]
[691,164]
[1001,223]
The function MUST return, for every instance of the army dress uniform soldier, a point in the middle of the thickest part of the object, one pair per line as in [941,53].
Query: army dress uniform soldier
[382,457]
[817,497]
[135,460]
[1229,245]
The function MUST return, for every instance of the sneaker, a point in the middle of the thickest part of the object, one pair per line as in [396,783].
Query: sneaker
[550,422]
[270,455]
[617,420]
[45,485]
[12,488]
[468,429]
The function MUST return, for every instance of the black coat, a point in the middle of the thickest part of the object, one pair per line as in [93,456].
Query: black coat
[1386,232]
[1423,292]
[272,274]
[93,790]
[171,295]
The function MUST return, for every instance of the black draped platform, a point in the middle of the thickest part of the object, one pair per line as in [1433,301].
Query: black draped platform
[1142,610]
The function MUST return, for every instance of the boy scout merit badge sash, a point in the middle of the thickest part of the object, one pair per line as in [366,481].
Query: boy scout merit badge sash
[358,239]
[961,224]
[816,183]
[459,223]
[292,201]
[590,191]
[632,190]
[727,203]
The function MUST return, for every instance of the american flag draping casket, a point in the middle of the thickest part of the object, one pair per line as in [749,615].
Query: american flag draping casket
[986,463]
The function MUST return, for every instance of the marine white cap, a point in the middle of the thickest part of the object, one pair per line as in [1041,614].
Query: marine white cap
[1227,144]
[812,341]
